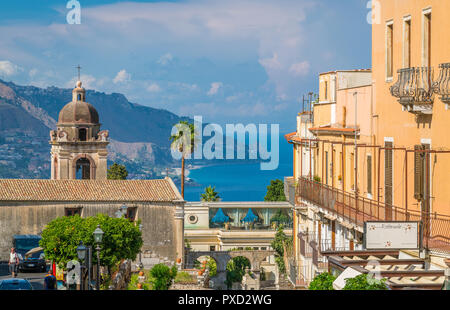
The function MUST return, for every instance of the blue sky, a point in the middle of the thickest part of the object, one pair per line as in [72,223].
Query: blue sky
[230,61]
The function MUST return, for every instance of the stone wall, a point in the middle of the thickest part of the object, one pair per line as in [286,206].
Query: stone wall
[159,226]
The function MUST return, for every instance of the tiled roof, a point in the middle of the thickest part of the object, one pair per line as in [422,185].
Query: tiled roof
[161,190]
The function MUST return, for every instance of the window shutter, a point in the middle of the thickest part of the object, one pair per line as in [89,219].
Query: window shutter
[418,172]
[369,174]
[388,174]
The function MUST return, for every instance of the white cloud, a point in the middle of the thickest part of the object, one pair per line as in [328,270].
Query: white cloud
[165,59]
[89,82]
[271,63]
[214,88]
[7,68]
[122,76]
[33,72]
[154,88]
[300,68]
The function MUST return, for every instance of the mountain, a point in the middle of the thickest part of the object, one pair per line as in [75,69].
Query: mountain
[139,134]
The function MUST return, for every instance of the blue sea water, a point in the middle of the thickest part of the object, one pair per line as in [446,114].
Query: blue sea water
[240,182]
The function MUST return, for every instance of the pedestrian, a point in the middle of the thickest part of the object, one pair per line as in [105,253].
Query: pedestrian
[13,262]
[50,281]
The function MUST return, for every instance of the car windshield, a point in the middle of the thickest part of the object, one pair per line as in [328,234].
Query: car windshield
[26,244]
[15,285]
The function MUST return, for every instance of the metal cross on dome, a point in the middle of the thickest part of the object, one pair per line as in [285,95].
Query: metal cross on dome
[79,70]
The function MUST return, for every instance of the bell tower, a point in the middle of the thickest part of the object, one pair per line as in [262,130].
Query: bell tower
[79,148]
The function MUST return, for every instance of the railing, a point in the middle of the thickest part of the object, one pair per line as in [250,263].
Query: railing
[442,85]
[289,189]
[414,86]
[357,210]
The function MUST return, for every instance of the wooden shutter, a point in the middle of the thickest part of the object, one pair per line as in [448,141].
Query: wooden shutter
[418,172]
[388,186]
[369,174]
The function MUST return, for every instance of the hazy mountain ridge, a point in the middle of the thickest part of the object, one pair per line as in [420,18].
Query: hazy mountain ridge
[27,114]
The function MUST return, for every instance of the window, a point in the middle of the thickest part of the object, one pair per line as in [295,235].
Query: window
[407,42]
[72,211]
[79,97]
[326,168]
[369,174]
[326,91]
[426,38]
[389,49]
[131,213]
[212,248]
[82,134]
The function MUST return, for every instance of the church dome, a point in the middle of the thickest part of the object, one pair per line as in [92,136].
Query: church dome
[78,111]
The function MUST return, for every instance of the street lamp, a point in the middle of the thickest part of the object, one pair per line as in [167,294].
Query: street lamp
[98,236]
[81,253]
[141,265]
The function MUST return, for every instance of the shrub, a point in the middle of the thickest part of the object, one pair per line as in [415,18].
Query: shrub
[322,282]
[364,282]
[163,276]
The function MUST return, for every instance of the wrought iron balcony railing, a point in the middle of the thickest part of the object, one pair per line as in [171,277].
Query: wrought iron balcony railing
[414,89]
[442,84]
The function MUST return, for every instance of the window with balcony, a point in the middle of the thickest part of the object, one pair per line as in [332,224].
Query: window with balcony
[426,38]
[389,50]
[407,42]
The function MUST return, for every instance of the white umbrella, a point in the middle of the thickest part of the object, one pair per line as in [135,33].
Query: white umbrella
[32,251]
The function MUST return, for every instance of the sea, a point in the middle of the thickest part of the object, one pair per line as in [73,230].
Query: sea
[240,181]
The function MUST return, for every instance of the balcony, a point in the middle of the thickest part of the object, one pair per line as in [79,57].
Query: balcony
[414,89]
[442,85]
[357,210]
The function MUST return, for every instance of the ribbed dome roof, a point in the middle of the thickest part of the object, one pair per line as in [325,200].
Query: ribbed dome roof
[78,112]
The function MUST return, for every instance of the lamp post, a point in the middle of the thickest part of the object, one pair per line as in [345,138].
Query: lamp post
[81,253]
[98,236]
[141,266]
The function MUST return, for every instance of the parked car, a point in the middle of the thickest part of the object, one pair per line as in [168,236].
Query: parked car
[15,284]
[32,262]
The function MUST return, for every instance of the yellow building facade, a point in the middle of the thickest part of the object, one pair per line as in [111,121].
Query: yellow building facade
[411,56]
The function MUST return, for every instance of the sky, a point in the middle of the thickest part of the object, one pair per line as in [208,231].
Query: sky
[230,61]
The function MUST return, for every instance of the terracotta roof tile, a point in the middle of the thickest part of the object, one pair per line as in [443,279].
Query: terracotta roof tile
[161,190]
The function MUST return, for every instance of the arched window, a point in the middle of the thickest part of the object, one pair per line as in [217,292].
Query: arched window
[83,169]
[79,97]
[82,134]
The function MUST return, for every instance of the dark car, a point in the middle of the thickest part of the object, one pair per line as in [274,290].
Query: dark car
[15,284]
[33,262]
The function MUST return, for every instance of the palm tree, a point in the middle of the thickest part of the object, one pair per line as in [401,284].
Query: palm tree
[184,143]
[210,194]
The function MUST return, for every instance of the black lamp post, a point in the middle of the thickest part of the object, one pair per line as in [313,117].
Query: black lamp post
[81,253]
[141,266]
[98,236]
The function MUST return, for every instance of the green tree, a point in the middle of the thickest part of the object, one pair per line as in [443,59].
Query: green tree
[117,172]
[279,244]
[275,191]
[236,270]
[364,282]
[210,194]
[322,282]
[183,141]
[163,276]
[121,240]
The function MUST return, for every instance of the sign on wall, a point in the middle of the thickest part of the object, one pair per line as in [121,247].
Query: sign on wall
[391,235]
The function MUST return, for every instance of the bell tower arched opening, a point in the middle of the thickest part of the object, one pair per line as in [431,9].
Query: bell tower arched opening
[83,169]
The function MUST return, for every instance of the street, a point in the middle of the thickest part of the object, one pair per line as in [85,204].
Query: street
[35,278]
